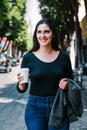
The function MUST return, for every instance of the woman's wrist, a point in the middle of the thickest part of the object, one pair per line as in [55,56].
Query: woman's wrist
[22,87]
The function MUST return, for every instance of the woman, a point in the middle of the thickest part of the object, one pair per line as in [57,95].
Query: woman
[49,69]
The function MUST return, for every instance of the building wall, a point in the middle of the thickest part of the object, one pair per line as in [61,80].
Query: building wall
[83,25]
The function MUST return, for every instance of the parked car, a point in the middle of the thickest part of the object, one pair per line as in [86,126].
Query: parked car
[14,61]
[5,63]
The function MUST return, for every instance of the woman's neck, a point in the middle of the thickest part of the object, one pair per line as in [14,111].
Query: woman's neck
[44,50]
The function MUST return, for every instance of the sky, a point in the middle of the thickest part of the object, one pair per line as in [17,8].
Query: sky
[32,13]
[81,12]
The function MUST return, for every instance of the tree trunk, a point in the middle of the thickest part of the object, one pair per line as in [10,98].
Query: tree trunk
[79,41]
[78,35]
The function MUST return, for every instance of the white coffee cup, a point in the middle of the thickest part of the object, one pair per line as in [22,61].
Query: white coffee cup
[25,73]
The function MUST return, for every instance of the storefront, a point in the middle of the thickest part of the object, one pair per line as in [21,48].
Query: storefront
[83,25]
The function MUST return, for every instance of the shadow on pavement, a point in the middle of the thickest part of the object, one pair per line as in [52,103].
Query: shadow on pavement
[12,107]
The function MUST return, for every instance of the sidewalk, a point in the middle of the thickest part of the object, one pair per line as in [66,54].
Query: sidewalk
[81,124]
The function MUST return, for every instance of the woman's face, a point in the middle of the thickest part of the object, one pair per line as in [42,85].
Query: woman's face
[44,35]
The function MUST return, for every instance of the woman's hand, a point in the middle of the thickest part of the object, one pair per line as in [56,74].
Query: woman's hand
[20,79]
[63,84]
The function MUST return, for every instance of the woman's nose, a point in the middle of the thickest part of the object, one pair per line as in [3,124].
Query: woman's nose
[42,34]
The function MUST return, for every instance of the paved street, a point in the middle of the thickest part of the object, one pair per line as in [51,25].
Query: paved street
[12,104]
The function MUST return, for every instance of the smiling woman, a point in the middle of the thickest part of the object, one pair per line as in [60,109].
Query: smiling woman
[49,68]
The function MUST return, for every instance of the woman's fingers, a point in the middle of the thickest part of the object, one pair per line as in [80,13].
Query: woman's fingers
[19,77]
[63,84]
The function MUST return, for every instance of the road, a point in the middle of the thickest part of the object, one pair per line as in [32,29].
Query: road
[12,103]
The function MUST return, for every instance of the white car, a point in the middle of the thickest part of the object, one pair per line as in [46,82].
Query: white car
[5,63]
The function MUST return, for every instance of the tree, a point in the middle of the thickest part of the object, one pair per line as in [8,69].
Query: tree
[4,17]
[78,32]
[13,24]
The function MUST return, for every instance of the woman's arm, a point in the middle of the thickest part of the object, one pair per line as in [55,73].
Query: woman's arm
[21,87]
[63,84]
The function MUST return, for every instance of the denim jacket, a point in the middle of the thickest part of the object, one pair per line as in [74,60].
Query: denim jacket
[69,100]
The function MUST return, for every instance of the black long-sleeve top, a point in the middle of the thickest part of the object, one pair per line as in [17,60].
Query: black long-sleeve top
[45,76]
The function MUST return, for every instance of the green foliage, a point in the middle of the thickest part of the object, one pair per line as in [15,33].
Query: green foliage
[13,24]
[26,45]
[4,15]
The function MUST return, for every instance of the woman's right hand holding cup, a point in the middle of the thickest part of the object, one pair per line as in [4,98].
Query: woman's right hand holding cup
[20,78]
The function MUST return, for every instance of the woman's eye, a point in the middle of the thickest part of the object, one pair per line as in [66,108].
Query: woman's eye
[38,31]
[47,31]
[44,32]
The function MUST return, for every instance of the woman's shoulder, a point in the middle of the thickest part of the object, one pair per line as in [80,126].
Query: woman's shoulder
[27,54]
[64,54]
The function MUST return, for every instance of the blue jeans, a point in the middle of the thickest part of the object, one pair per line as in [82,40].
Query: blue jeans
[37,114]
